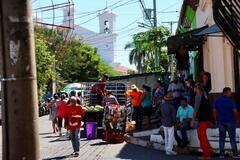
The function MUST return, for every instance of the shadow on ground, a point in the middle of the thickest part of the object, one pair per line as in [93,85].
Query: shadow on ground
[58,158]
[129,151]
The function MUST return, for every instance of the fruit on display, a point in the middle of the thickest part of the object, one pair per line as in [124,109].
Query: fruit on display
[96,108]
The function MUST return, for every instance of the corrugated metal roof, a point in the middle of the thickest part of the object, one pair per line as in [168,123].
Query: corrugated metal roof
[227,16]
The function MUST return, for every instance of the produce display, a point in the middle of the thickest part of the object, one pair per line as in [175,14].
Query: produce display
[96,108]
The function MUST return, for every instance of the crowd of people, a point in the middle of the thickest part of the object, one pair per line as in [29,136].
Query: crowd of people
[181,106]
[67,108]
[185,105]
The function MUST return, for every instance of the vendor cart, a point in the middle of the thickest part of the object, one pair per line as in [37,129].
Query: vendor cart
[93,111]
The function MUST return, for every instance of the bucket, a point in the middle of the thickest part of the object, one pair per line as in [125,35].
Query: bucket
[91,130]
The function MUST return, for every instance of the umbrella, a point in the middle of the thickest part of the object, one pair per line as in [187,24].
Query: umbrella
[72,86]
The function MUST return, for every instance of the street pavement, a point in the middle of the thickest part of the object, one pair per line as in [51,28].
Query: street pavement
[53,147]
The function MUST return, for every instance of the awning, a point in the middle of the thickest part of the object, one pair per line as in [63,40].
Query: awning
[226,14]
[187,40]
[210,30]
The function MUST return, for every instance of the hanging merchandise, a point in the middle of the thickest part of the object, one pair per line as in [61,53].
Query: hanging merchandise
[114,123]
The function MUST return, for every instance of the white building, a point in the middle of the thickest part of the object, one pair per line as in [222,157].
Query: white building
[104,41]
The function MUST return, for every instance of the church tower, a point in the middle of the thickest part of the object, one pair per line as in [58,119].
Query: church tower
[107,21]
[68,16]
[107,30]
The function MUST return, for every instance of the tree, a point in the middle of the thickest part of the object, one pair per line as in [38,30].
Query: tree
[44,61]
[143,47]
[82,63]
[74,60]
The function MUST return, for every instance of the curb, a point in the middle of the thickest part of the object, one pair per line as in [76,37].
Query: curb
[143,143]
[157,146]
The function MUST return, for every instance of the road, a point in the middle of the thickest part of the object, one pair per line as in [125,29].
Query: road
[53,147]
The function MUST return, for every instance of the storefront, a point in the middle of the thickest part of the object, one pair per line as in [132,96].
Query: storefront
[214,50]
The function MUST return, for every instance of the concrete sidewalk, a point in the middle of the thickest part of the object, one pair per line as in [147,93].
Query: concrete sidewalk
[53,147]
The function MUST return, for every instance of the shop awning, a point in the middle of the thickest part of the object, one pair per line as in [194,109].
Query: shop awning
[210,30]
[187,40]
[226,14]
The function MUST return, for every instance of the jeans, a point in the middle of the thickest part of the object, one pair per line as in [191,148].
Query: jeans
[183,129]
[231,129]
[75,138]
[138,116]
[169,138]
[203,139]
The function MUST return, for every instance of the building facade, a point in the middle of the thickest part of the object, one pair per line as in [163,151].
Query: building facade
[217,51]
[209,50]
[104,41]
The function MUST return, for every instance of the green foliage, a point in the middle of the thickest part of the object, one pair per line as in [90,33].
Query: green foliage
[148,51]
[44,60]
[74,60]
[82,63]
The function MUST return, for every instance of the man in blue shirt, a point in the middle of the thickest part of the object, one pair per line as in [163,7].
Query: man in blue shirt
[184,116]
[225,115]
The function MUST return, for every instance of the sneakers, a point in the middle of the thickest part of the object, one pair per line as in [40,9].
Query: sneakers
[222,157]
[76,154]
[236,157]
[171,153]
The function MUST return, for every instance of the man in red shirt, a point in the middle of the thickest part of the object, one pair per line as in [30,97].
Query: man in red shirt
[137,115]
[74,115]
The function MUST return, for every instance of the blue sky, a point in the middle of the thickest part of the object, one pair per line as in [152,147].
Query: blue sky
[128,14]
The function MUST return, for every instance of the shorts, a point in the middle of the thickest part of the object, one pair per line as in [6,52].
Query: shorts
[59,121]
[147,111]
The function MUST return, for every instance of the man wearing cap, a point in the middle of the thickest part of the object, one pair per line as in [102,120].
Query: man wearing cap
[74,115]
[135,95]
[168,119]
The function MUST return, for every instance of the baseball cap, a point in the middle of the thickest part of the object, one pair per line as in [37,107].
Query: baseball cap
[133,87]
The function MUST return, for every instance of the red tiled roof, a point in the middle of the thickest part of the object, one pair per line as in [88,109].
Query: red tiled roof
[124,69]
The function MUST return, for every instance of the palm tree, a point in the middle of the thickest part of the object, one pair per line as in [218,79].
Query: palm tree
[143,47]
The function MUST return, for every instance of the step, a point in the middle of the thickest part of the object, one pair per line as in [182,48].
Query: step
[145,133]
[193,138]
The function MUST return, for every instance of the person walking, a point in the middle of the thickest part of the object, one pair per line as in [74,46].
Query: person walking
[184,117]
[52,106]
[135,95]
[74,114]
[203,113]
[225,116]
[168,119]
[146,102]
[73,94]
[61,113]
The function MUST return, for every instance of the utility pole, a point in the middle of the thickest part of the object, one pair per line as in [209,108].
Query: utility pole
[19,85]
[154,13]
[155,35]
[171,23]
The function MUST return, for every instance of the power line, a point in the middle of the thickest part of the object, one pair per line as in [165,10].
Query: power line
[142,4]
[123,4]
[121,29]
[109,37]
